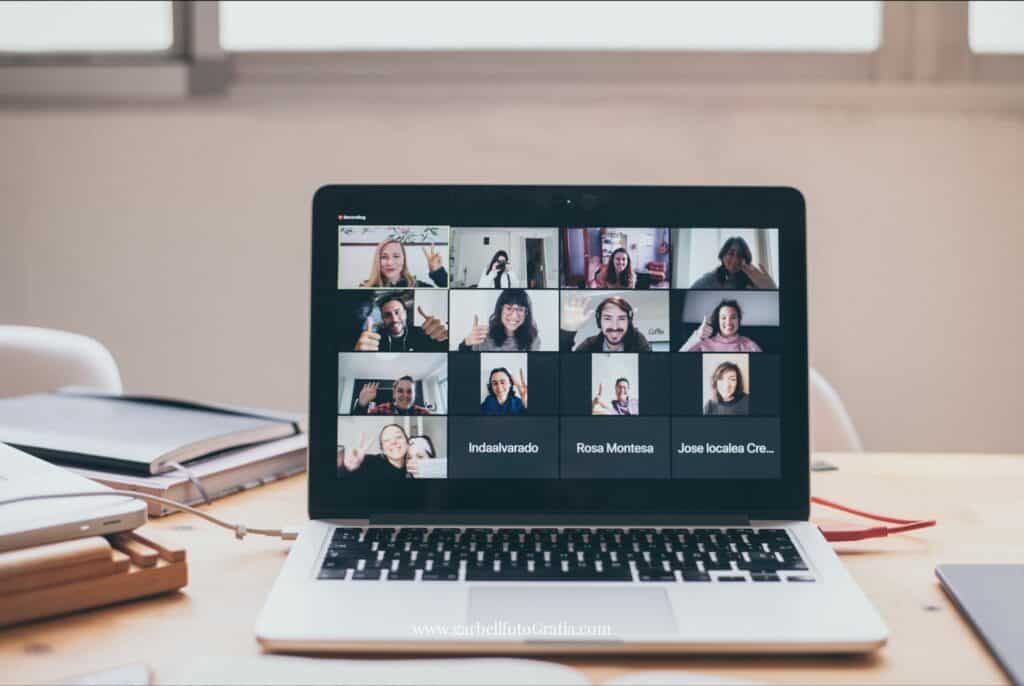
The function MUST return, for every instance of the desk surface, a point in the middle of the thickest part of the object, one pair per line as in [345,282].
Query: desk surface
[976,499]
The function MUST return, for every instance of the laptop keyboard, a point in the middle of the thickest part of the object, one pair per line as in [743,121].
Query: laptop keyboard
[572,554]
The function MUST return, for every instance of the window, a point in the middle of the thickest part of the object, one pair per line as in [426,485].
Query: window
[996,27]
[103,51]
[655,26]
[77,27]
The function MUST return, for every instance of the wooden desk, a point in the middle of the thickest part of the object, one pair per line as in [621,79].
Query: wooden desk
[976,498]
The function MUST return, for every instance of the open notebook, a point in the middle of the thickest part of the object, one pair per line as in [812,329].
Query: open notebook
[132,434]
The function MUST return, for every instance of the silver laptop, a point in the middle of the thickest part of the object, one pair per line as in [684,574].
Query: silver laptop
[561,419]
[39,522]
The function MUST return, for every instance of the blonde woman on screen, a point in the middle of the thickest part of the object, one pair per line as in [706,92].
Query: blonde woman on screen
[390,268]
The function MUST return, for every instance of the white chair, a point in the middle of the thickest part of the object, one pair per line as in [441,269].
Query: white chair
[832,430]
[34,360]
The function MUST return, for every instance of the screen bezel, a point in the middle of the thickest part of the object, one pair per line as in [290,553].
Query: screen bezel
[562,206]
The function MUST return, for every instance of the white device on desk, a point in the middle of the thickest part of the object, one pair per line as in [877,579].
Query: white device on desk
[38,522]
[671,517]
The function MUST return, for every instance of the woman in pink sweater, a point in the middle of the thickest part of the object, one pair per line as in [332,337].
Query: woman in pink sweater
[722,333]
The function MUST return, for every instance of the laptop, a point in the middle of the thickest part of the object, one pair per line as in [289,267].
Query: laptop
[561,419]
[34,523]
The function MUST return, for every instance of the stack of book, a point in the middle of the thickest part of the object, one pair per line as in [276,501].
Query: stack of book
[59,578]
[179,450]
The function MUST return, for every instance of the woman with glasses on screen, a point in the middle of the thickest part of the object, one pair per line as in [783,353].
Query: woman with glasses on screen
[499,273]
[390,268]
[510,329]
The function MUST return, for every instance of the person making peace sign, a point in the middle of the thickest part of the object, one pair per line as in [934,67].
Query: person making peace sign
[505,395]
[390,268]
[398,459]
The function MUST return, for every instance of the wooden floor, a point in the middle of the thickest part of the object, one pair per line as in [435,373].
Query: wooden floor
[976,498]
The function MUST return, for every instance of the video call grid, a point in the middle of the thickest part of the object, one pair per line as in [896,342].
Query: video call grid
[559,416]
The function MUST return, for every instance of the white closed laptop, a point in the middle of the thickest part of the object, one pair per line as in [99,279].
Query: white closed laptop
[612,458]
[52,520]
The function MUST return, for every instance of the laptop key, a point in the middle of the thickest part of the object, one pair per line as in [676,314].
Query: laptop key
[334,573]
[367,574]
[401,574]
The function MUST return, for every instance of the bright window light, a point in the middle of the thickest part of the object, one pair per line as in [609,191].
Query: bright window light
[44,27]
[553,25]
[996,26]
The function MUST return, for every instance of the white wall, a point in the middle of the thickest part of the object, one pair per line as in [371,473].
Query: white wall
[434,302]
[179,235]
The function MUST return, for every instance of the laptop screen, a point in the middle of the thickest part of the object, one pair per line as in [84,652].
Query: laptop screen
[557,352]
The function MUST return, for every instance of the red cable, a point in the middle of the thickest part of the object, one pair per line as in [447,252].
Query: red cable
[904,525]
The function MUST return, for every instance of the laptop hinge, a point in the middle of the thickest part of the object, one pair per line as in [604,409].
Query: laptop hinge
[563,519]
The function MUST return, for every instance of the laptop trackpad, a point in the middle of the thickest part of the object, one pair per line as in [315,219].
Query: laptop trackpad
[553,613]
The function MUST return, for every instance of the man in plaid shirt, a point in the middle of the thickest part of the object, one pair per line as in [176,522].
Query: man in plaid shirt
[403,402]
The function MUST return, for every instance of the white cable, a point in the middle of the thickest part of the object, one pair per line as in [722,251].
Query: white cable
[240,529]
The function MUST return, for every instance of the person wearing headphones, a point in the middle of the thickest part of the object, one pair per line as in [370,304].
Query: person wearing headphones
[505,395]
[394,335]
[614,317]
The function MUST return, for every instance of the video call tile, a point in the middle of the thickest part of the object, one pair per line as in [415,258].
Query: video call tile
[725,384]
[630,448]
[503,448]
[491,384]
[726,448]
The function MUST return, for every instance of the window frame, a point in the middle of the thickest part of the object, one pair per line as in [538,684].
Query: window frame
[194,64]
[924,50]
